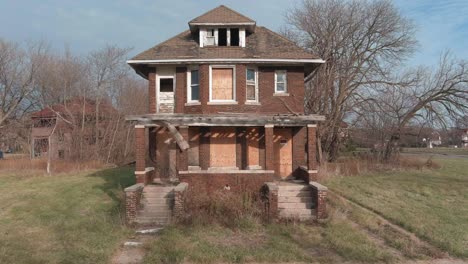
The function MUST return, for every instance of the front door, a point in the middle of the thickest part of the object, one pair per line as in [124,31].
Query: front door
[282,148]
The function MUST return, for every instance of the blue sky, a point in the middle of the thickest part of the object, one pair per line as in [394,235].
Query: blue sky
[86,25]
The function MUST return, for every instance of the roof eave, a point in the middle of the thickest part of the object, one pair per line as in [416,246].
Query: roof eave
[194,26]
[225,60]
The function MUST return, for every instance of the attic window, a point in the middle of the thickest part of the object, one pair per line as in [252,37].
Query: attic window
[234,37]
[222,37]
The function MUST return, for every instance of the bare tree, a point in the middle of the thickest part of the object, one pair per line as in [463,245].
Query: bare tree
[18,70]
[436,96]
[361,42]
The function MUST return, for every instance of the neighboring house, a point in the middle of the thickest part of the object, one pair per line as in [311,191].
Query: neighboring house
[226,107]
[52,127]
[464,137]
[434,139]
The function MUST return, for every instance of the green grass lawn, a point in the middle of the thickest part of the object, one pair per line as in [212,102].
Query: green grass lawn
[432,204]
[62,219]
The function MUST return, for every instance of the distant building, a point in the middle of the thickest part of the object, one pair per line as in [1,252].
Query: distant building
[52,127]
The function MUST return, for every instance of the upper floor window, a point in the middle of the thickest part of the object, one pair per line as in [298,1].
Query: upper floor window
[252,85]
[222,84]
[193,91]
[281,82]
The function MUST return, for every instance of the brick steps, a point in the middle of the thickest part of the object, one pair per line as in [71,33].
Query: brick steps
[156,205]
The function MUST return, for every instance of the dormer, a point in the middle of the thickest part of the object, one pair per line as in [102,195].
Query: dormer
[222,26]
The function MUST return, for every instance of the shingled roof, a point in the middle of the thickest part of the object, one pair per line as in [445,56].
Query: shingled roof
[263,44]
[221,14]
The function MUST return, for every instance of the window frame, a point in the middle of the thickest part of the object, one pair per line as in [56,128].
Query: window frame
[189,84]
[234,91]
[285,82]
[255,69]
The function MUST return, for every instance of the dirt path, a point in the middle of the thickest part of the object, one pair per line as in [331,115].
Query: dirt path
[132,250]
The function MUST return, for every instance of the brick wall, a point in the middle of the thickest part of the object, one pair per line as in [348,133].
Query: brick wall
[210,181]
[311,148]
[298,149]
[180,94]
[270,190]
[320,199]
[132,202]
[269,104]
[179,200]
[152,90]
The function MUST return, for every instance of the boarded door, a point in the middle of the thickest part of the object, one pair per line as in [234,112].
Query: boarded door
[253,152]
[222,84]
[223,147]
[282,143]
[165,155]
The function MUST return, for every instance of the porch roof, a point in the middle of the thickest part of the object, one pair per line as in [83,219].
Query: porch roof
[227,119]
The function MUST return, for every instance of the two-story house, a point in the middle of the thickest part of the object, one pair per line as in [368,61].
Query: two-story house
[226,107]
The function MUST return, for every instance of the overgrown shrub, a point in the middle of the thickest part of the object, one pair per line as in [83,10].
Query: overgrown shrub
[227,208]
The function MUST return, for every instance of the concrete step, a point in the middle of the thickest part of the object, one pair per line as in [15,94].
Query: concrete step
[295,205]
[158,188]
[169,195]
[302,214]
[292,193]
[154,215]
[157,206]
[153,220]
[157,201]
[294,199]
[295,187]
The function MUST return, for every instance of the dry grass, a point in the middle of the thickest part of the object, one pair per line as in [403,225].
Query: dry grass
[25,165]
[226,208]
[364,163]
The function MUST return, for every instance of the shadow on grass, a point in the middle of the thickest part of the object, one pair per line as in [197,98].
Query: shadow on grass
[115,181]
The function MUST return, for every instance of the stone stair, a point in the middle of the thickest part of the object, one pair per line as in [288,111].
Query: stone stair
[157,202]
[295,201]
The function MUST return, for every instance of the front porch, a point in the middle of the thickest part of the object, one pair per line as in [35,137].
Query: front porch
[225,151]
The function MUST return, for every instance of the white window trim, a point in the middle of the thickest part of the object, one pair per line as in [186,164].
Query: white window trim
[189,84]
[285,82]
[256,84]
[233,67]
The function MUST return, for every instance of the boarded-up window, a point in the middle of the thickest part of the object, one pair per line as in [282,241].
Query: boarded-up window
[222,84]
[223,147]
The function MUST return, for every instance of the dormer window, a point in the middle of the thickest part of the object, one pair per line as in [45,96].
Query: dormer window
[222,37]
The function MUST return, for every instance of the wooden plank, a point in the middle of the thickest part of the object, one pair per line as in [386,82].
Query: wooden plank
[223,147]
[282,149]
[222,84]
[253,151]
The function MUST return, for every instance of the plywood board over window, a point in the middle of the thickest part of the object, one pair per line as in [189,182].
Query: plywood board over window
[253,151]
[223,147]
[222,84]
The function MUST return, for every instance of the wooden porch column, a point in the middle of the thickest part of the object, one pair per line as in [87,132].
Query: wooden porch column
[140,154]
[269,165]
[311,147]
[182,156]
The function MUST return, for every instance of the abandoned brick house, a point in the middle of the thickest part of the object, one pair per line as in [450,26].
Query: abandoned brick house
[52,130]
[226,112]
